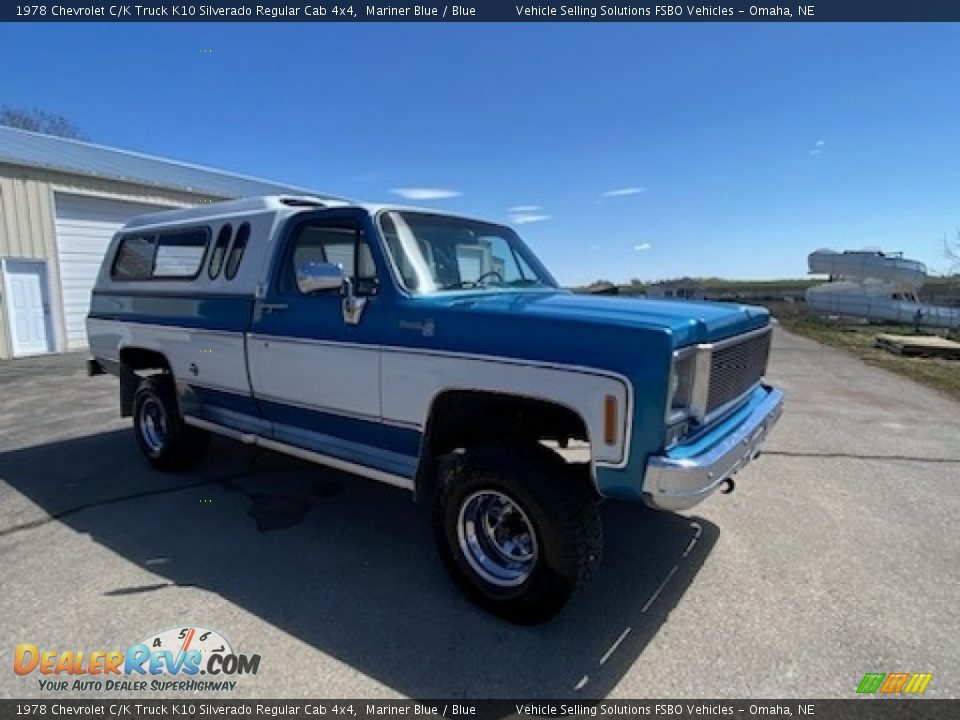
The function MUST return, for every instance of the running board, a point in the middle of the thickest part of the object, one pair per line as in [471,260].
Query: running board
[301,453]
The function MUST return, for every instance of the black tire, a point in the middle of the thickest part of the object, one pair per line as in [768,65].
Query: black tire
[164,438]
[560,508]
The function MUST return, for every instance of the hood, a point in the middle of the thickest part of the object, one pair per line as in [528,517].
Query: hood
[688,322]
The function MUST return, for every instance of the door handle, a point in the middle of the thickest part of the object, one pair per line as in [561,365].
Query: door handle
[274,307]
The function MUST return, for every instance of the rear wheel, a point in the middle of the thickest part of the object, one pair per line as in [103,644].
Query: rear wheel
[516,529]
[165,439]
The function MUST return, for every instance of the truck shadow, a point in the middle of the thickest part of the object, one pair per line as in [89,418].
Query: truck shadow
[348,566]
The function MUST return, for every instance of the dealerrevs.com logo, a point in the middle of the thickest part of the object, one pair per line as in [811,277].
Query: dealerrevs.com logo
[186,658]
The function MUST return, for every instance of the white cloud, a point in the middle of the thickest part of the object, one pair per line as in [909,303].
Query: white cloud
[524,218]
[642,246]
[818,147]
[425,193]
[524,209]
[623,192]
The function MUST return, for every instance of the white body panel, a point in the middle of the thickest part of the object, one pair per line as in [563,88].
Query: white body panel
[85,225]
[330,377]
[218,356]
[28,307]
[411,381]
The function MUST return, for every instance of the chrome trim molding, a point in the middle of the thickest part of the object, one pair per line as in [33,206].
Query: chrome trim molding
[701,383]
[735,339]
[308,455]
[680,483]
[337,463]
[245,438]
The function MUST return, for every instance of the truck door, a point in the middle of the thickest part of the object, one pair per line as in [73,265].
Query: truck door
[314,367]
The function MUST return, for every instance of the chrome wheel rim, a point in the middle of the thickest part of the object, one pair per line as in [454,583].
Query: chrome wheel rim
[153,425]
[497,538]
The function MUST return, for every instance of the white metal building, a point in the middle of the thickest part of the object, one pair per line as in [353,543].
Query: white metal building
[60,203]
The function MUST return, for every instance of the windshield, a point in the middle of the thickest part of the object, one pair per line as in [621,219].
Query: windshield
[434,253]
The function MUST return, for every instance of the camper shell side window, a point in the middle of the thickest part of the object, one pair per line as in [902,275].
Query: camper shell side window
[172,255]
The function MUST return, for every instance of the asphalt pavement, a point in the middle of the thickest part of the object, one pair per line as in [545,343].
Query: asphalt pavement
[838,554]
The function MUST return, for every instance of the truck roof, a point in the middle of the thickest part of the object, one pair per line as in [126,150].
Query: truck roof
[243,206]
[286,204]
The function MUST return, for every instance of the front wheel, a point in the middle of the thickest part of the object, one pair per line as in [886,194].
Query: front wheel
[166,440]
[516,529]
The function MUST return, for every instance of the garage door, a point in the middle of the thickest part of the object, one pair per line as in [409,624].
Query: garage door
[85,226]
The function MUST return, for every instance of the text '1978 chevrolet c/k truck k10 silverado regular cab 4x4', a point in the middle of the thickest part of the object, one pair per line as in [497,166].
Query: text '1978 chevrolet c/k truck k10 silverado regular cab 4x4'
[437,354]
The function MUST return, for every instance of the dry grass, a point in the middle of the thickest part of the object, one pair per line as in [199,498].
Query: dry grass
[937,373]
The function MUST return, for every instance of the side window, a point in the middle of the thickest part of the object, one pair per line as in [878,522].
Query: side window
[338,243]
[219,251]
[134,260]
[236,251]
[180,254]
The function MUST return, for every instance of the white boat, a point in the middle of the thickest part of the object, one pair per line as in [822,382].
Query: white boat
[875,286]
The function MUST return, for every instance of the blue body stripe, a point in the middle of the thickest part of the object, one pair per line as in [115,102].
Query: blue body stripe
[195,398]
[375,434]
[210,312]
[365,442]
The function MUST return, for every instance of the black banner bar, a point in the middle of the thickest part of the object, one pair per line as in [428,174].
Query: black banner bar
[485,11]
[193,708]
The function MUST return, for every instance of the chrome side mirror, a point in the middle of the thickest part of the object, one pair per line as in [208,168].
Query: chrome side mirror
[314,276]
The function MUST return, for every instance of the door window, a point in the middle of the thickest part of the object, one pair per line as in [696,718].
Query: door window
[342,244]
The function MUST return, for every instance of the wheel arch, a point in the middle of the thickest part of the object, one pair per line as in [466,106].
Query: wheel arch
[134,363]
[458,417]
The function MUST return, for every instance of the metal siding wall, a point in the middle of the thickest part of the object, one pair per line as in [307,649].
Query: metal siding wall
[27,225]
[27,233]
[5,350]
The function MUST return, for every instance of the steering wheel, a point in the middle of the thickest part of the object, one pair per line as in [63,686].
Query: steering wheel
[491,273]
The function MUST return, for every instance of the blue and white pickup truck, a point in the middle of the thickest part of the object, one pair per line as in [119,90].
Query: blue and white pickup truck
[437,354]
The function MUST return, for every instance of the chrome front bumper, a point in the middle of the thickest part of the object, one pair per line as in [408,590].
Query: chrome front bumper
[680,483]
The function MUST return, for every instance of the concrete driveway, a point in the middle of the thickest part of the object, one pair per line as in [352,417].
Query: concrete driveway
[837,555]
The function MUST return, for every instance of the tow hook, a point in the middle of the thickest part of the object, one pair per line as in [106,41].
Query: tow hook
[728,486]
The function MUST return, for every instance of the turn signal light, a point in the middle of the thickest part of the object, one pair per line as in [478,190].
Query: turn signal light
[610,420]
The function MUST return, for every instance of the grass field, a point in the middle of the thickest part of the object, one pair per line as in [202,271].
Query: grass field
[937,373]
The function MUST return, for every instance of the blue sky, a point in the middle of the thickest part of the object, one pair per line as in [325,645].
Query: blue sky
[737,149]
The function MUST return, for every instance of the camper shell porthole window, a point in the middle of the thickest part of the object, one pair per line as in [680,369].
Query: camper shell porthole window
[236,251]
[219,253]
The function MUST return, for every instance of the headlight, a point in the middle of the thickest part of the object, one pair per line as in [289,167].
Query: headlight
[680,391]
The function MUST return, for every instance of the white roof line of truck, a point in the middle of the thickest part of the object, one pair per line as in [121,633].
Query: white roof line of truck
[267,203]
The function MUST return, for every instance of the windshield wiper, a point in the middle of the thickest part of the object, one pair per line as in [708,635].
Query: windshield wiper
[464,285]
[470,284]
